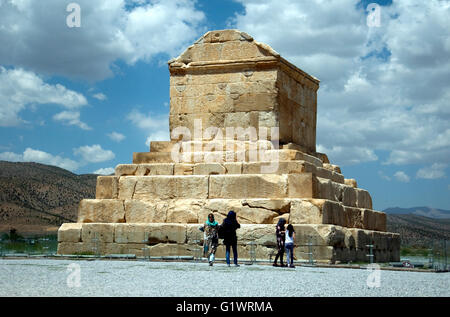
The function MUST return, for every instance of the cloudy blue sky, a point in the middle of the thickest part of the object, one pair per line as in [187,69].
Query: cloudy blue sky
[85,98]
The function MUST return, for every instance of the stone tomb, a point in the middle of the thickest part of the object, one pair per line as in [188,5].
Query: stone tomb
[250,147]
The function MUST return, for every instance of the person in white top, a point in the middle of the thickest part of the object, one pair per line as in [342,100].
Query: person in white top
[289,245]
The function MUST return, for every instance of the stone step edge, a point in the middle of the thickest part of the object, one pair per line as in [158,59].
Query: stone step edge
[167,146]
[224,156]
[111,187]
[226,168]
[256,211]
[176,233]
[172,251]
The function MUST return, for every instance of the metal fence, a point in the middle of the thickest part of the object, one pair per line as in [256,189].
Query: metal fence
[436,258]
[438,255]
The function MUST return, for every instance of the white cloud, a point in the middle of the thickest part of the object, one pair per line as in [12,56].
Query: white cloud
[148,122]
[104,171]
[32,155]
[156,126]
[100,96]
[20,88]
[401,176]
[161,135]
[384,176]
[71,118]
[115,136]
[94,153]
[348,155]
[36,37]
[10,156]
[382,89]
[437,170]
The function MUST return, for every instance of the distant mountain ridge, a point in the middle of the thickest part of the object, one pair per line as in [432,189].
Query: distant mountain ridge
[35,197]
[420,211]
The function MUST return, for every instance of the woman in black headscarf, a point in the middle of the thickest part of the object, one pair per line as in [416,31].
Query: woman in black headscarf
[280,233]
[229,226]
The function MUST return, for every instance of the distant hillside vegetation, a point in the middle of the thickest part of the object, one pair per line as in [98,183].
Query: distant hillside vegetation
[418,230]
[420,211]
[35,198]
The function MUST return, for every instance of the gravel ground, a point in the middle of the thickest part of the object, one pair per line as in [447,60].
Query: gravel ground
[41,277]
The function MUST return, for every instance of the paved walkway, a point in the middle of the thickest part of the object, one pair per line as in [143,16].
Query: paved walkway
[48,277]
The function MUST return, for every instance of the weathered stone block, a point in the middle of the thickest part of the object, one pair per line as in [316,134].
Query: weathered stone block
[70,232]
[125,169]
[130,233]
[324,254]
[107,187]
[209,169]
[161,146]
[288,167]
[333,168]
[141,211]
[362,239]
[322,156]
[323,173]
[305,212]
[152,157]
[193,233]
[155,169]
[325,189]
[302,185]
[363,199]
[280,206]
[245,213]
[172,249]
[184,210]
[339,216]
[380,221]
[103,232]
[163,187]
[101,210]
[259,234]
[337,177]
[233,168]
[369,219]
[348,195]
[248,186]
[183,169]
[353,217]
[150,233]
[350,182]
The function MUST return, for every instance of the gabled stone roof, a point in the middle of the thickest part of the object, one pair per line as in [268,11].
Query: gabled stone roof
[228,47]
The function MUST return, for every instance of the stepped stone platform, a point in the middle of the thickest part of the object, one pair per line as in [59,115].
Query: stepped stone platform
[243,129]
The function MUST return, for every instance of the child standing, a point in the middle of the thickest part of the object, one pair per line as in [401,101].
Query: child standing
[289,244]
